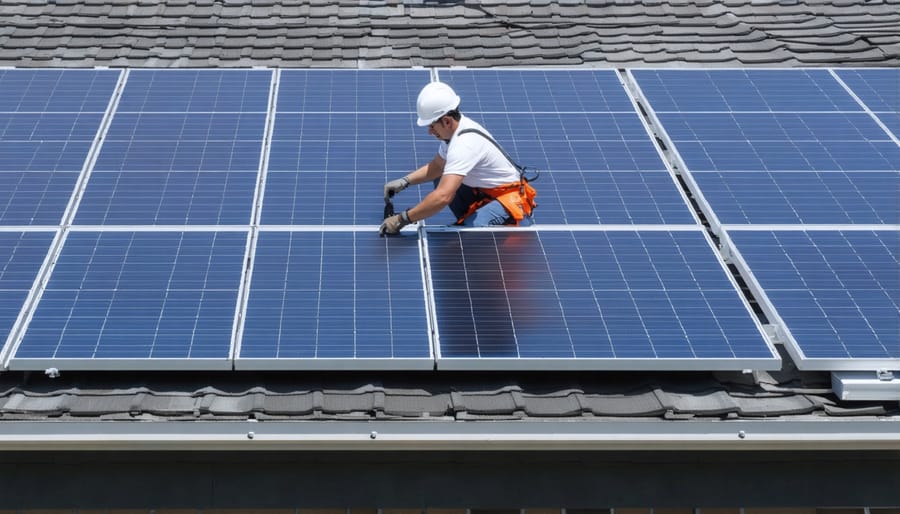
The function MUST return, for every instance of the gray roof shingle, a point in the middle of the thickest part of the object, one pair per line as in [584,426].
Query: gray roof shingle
[397,33]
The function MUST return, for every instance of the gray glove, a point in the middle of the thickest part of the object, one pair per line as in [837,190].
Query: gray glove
[395,186]
[393,224]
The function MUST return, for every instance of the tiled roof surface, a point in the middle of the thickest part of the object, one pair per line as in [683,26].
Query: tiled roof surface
[426,396]
[397,33]
[394,33]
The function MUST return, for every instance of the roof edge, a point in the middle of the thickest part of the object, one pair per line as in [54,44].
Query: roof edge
[810,434]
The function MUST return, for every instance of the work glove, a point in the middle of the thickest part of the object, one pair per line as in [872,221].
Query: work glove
[393,224]
[395,186]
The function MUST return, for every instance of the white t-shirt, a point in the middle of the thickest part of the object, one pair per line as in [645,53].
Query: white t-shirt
[476,158]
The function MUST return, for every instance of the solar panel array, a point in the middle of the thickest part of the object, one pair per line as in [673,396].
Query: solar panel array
[197,219]
[572,293]
[798,172]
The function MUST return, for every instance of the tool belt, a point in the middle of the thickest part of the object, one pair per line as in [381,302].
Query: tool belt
[516,197]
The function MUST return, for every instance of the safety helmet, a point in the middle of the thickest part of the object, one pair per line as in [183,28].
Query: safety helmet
[435,100]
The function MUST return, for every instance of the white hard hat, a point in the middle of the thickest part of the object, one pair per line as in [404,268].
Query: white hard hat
[435,100]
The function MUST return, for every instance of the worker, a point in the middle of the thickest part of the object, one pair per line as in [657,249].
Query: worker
[475,177]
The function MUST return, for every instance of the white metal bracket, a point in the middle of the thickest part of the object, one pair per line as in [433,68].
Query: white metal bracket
[882,384]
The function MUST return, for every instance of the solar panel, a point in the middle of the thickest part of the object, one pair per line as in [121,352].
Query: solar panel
[656,299]
[196,91]
[783,173]
[820,159]
[40,91]
[137,300]
[538,90]
[336,299]
[837,293]
[879,90]
[808,198]
[48,122]
[168,198]
[338,136]
[353,91]
[876,87]
[21,256]
[186,147]
[183,148]
[788,90]
[579,127]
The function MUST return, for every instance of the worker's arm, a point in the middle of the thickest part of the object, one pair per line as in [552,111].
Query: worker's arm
[430,171]
[436,200]
[429,206]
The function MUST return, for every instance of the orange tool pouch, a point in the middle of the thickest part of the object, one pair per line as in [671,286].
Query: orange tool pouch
[516,197]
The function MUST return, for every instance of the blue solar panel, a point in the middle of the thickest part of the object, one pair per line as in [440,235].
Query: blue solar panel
[610,198]
[838,292]
[174,155]
[350,90]
[538,90]
[348,142]
[589,299]
[48,122]
[35,198]
[196,91]
[336,299]
[821,159]
[589,142]
[183,148]
[138,299]
[803,197]
[176,198]
[183,142]
[334,198]
[41,91]
[30,156]
[49,126]
[789,90]
[761,127]
[21,256]
[878,88]
[187,127]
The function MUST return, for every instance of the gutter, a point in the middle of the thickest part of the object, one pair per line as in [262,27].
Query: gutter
[357,436]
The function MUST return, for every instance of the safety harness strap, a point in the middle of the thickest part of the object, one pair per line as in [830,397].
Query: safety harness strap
[516,197]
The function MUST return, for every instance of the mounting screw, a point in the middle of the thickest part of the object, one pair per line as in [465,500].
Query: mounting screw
[373,435]
[742,434]
[250,435]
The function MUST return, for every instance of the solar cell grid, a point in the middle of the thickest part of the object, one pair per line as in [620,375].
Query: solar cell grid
[21,256]
[34,198]
[538,90]
[183,148]
[586,300]
[167,198]
[346,299]
[788,90]
[49,126]
[42,91]
[610,198]
[138,299]
[772,127]
[48,122]
[196,91]
[837,291]
[878,88]
[803,197]
[379,91]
